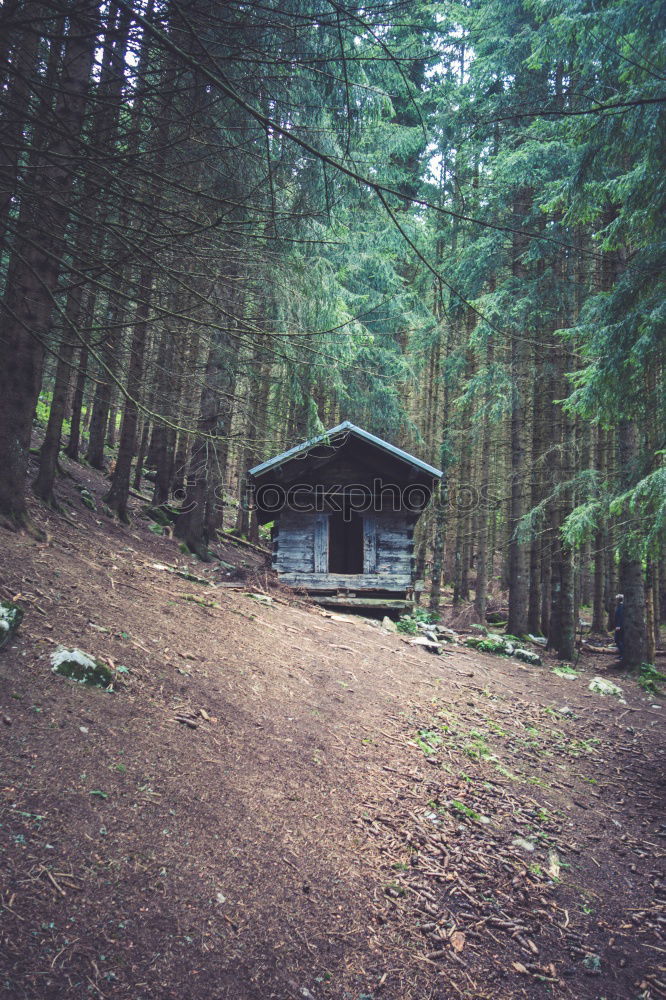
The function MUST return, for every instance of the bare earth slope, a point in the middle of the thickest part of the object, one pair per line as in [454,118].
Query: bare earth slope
[279,803]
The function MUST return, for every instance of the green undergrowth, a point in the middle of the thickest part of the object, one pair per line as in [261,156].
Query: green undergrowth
[42,411]
[510,747]
[409,624]
[649,678]
[502,645]
[564,670]
[429,740]
[489,644]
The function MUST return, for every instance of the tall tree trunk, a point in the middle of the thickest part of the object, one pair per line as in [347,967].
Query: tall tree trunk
[438,549]
[118,496]
[73,444]
[481,591]
[631,567]
[99,419]
[112,422]
[658,590]
[17,89]
[534,600]
[108,96]
[546,580]
[611,582]
[163,440]
[566,647]
[105,130]
[466,539]
[518,567]
[35,265]
[441,496]
[421,543]
[554,515]
[255,418]
[585,576]
[567,637]
[600,541]
[141,453]
[650,611]
[48,455]
[191,524]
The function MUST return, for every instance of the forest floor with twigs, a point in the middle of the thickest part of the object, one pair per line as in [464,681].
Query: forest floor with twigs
[280,802]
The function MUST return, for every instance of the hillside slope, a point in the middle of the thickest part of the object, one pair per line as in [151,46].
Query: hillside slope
[277,802]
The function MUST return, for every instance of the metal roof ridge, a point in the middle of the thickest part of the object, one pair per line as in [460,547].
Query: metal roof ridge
[306,446]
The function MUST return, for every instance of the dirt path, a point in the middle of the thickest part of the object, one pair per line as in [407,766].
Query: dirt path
[337,814]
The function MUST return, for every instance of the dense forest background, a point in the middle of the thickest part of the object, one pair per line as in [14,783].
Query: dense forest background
[228,226]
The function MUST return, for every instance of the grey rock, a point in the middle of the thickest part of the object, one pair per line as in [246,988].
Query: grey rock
[80,667]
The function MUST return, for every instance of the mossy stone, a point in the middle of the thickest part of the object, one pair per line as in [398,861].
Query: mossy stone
[80,667]
[527,656]
[158,515]
[87,499]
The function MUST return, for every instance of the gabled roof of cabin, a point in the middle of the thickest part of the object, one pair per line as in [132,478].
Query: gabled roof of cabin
[344,428]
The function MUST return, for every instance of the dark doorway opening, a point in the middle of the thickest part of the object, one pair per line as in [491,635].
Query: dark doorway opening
[345,543]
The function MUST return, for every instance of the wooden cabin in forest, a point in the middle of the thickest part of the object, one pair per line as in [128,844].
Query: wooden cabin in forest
[343,506]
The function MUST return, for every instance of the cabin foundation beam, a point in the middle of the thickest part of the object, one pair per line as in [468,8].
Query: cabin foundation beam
[376,603]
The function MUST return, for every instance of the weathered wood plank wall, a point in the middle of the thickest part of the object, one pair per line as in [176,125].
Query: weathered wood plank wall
[301,546]
[294,543]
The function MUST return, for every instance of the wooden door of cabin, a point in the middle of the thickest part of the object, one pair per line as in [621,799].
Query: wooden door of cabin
[345,545]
